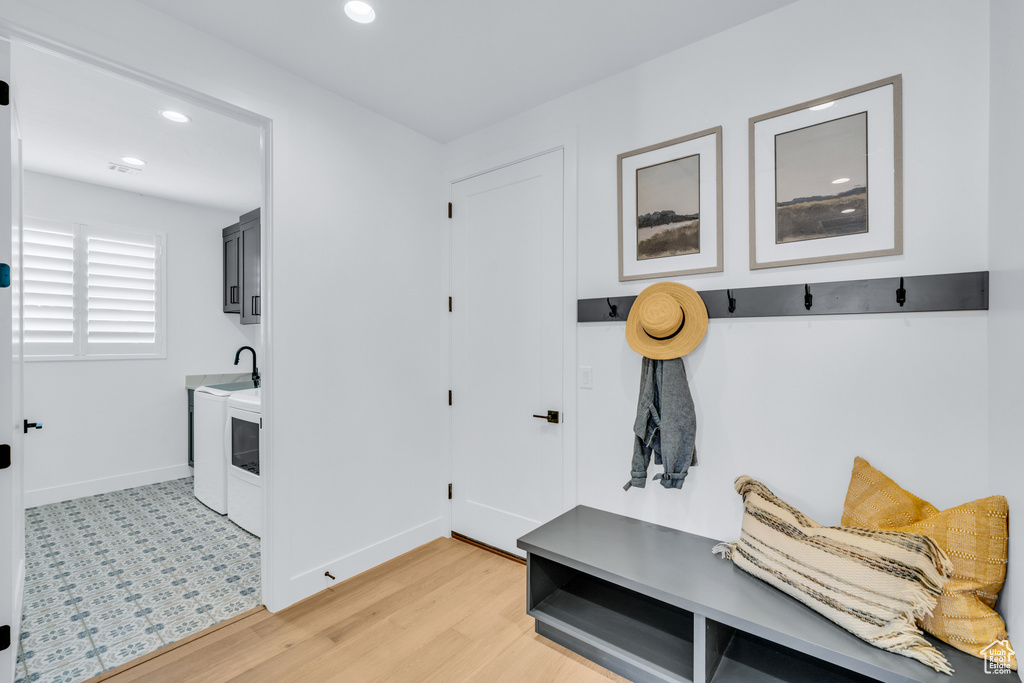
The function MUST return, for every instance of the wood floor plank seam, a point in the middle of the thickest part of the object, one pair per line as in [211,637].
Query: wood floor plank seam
[254,613]
[445,612]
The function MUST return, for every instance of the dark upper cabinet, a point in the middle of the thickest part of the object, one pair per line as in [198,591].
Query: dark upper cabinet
[232,244]
[241,291]
[249,267]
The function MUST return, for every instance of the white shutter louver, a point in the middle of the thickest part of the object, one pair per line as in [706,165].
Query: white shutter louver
[121,288]
[48,254]
[92,291]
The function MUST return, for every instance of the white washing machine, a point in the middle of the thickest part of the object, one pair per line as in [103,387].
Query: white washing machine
[242,440]
[210,458]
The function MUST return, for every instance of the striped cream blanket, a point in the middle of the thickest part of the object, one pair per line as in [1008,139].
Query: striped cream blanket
[873,583]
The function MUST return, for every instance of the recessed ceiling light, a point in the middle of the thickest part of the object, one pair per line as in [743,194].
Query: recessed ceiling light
[175,116]
[133,161]
[360,12]
[840,181]
[819,107]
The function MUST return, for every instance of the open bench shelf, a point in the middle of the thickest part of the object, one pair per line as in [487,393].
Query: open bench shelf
[645,637]
[654,604]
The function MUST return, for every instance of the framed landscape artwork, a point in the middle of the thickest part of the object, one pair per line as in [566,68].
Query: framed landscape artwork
[670,207]
[826,178]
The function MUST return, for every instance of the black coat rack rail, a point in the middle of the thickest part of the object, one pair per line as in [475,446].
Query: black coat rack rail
[914,294]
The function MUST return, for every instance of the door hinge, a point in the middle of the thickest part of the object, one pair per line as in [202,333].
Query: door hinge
[5,456]
[449,491]
[449,397]
[5,637]
[449,209]
[449,304]
[261,423]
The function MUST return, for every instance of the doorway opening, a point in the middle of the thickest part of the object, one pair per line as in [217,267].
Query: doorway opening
[122,232]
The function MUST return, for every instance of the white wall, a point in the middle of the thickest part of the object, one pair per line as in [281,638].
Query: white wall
[1006,315]
[111,424]
[353,388]
[356,420]
[792,401]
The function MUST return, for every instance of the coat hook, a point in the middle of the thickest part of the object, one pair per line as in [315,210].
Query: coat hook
[807,297]
[901,294]
[732,301]
[613,308]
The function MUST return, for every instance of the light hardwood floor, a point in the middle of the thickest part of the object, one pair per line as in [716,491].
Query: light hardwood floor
[446,612]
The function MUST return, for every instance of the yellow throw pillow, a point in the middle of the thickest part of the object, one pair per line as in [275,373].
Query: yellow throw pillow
[974,536]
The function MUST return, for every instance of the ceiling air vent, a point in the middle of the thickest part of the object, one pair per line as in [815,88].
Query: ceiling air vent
[121,168]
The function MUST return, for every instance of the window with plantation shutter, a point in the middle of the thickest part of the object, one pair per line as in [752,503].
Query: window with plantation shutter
[48,262]
[92,291]
[121,288]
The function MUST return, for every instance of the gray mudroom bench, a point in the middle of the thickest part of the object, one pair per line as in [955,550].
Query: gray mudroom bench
[654,604]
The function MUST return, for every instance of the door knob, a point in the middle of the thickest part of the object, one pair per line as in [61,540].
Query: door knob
[552,416]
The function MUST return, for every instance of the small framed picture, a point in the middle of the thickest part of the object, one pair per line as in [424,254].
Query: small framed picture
[826,178]
[670,208]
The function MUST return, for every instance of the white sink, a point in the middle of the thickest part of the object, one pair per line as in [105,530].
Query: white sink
[247,397]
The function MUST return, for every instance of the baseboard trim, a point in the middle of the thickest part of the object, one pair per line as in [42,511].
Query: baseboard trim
[57,494]
[303,585]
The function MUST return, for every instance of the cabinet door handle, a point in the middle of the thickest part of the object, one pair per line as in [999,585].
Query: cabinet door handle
[255,305]
[234,294]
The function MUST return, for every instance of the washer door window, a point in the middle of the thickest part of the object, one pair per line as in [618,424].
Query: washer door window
[245,445]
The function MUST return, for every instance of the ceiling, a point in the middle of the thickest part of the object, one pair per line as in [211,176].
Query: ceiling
[444,69]
[212,161]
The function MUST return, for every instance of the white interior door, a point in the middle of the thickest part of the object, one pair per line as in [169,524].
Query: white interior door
[12,518]
[507,327]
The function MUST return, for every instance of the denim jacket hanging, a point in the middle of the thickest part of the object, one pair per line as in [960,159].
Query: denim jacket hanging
[666,424]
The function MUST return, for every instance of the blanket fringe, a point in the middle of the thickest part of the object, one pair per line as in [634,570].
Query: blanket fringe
[943,565]
[724,550]
[912,646]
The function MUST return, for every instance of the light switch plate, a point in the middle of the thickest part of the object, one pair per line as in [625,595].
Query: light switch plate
[586,377]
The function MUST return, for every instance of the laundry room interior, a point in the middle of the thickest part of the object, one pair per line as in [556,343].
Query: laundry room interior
[113,425]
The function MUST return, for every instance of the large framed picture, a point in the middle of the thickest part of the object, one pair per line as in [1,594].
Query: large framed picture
[826,178]
[670,208]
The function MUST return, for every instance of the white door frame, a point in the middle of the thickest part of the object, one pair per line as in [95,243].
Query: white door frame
[274,567]
[11,531]
[566,141]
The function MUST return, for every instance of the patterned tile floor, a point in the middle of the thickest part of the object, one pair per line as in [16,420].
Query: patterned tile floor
[112,577]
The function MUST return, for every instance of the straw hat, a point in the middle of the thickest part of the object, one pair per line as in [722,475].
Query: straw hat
[667,320]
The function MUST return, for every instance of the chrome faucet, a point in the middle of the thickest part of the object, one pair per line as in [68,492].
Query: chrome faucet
[255,370]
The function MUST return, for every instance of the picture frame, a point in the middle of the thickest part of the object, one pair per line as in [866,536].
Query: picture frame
[826,178]
[670,207]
